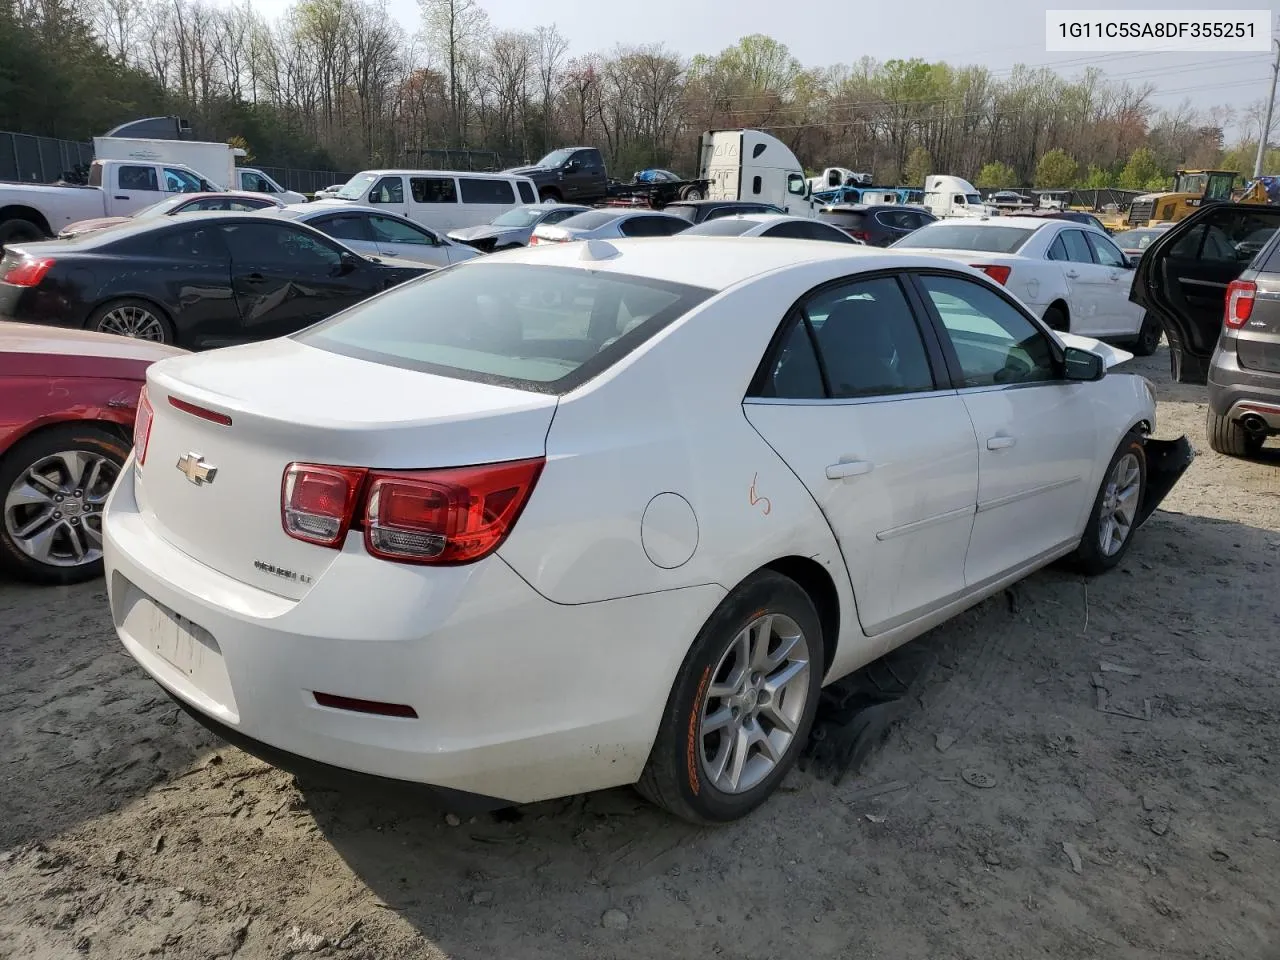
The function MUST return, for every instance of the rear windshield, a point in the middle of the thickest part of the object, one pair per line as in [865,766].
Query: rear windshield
[529,326]
[683,211]
[721,227]
[986,238]
[850,219]
[590,221]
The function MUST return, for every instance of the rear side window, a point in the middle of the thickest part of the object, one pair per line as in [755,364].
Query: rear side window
[532,327]
[349,226]
[723,227]
[847,219]
[486,190]
[651,226]
[589,221]
[433,190]
[957,236]
[526,192]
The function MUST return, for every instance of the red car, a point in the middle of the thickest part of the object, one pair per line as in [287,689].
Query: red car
[68,399]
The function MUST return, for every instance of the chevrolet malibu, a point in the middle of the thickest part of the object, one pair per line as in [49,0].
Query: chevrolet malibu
[606,513]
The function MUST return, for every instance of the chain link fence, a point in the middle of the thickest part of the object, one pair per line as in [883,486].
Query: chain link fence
[32,159]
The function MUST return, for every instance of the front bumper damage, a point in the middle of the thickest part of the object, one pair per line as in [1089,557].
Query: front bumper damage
[1167,461]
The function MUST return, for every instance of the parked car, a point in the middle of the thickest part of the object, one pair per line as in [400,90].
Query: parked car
[33,211]
[699,211]
[327,192]
[776,225]
[196,279]
[1220,306]
[1075,216]
[522,451]
[569,174]
[68,399]
[609,224]
[515,227]
[441,200]
[379,233]
[878,225]
[1073,277]
[180,203]
[1133,243]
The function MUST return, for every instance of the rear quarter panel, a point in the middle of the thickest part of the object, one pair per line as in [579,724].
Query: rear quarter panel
[28,404]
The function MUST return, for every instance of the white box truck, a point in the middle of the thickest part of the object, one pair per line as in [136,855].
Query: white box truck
[751,165]
[217,161]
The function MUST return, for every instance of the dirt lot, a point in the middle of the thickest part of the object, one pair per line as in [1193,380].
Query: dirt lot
[127,832]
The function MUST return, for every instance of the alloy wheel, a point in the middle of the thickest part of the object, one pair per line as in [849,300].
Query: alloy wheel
[1119,504]
[53,511]
[754,703]
[131,320]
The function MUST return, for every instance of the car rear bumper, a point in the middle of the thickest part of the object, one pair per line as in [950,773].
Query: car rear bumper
[517,699]
[37,305]
[1235,392]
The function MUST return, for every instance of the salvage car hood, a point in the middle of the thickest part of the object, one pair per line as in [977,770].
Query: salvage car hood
[483,232]
[1111,356]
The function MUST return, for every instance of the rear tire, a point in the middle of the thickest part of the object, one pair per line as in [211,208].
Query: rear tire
[549,195]
[19,231]
[1148,339]
[129,317]
[691,192]
[748,692]
[1056,319]
[1227,437]
[34,523]
[1113,520]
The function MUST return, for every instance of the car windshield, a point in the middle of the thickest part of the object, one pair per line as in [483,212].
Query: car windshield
[529,326]
[1135,239]
[590,221]
[161,208]
[723,227]
[354,188]
[519,217]
[974,199]
[986,238]
[556,158]
[682,210]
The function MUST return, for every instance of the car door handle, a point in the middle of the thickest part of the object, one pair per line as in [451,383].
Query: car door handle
[120,196]
[849,468]
[1000,443]
[1072,274]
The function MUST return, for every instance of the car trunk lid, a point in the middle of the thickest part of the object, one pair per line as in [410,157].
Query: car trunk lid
[227,424]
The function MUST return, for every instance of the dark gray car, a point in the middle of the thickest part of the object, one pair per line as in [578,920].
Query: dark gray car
[514,227]
[1214,282]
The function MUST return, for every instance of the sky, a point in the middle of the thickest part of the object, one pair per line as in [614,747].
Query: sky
[992,33]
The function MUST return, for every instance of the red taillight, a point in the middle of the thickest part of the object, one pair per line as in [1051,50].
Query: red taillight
[204,413]
[1240,297]
[859,235]
[317,503]
[142,426]
[445,516]
[28,272]
[997,272]
[534,241]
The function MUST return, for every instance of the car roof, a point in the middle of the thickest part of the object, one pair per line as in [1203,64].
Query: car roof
[714,263]
[297,211]
[720,203]
[1024,222]
[133,228]
[760,217]
[406,172]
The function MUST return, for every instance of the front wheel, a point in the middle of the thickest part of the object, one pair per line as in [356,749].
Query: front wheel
[53,488]
[742,705]
[549,196]
[692,193]
[1148,338]
[1113,520]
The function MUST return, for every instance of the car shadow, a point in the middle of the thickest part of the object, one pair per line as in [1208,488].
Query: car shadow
[570,877]
[82,729]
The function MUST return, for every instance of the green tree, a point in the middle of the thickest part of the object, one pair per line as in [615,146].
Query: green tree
[918,166]
[1140,170]
[1098,179]
[1056,170]
[996,174]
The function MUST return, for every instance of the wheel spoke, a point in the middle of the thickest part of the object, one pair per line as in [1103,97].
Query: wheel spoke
[740,651]
[758,738]
[741,746]
[778,657]
[92,475]
[76,464]
[76,541]
[716,766]
[34,477]
[28,495]
[40,546]
[717,721]
[777,684]
[761,635]
[32,525]
[778,718]
[92,535]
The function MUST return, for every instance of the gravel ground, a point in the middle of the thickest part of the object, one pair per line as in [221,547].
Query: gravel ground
[1150,830]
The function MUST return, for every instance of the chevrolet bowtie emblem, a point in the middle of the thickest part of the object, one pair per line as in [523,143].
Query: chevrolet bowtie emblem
[195,469]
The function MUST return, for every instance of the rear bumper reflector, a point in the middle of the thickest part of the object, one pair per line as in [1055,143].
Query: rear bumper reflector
[376,707]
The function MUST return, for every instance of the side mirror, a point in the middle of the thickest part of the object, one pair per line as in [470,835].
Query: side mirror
[348,263]
[797,185]
[1082,365]
[571,166]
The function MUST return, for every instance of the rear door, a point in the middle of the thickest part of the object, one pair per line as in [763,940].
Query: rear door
[855,398]
[435,203]
[350,229]
[286,278]
[484,198]
[1088,284]
[1183,276]
[408,241]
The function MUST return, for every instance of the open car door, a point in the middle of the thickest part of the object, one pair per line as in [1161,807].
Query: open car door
[1183,276]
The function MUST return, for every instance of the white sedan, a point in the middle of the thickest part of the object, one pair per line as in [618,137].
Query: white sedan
[604,513]
[1069,273]
[778,226]
[379,233]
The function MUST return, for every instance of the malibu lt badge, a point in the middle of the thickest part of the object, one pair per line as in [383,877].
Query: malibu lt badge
[195,469]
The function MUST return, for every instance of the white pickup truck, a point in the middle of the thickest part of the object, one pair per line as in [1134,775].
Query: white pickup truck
[117,188]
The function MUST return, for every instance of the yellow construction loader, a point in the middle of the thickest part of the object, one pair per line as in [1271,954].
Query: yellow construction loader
[1191,190]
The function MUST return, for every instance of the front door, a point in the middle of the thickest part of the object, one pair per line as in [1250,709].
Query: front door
[1122,318]
[389,193]
[856,404]
[408,241]
[1088,284]
[1183,277]
[1036,432]
[285,278]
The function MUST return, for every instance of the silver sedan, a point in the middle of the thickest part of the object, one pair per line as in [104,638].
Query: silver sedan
[610,224]
[378,233]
